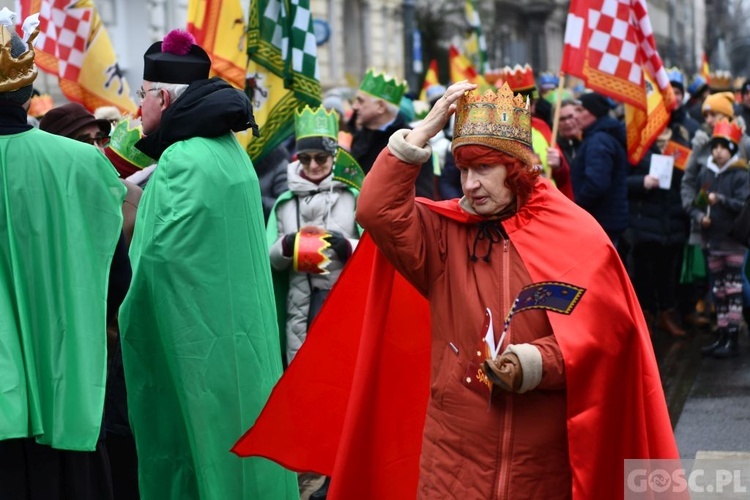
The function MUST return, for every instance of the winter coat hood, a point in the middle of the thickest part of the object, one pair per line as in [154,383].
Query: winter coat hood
[207,108]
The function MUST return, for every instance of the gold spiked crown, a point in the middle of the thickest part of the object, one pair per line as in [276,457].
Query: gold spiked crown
[16,72]
[720,81]
[499,120]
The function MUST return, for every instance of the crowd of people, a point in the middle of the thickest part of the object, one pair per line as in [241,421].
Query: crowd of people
[158,285]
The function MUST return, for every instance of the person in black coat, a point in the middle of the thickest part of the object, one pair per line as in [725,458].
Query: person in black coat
[374,121]
[659,229]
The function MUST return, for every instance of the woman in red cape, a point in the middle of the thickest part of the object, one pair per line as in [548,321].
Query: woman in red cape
[377,396]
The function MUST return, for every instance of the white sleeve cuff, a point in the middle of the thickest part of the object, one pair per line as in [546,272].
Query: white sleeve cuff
[531,364]
[406,152]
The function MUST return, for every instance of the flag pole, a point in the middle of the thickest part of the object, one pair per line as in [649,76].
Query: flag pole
[556,118]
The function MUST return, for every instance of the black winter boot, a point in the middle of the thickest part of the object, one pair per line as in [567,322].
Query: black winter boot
[721,339]
[728,349]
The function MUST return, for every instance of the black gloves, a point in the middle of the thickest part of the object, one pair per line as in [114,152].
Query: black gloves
[340,245]
[287,244]
[338,242]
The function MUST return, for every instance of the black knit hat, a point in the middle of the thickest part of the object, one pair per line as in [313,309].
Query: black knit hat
[596,104]
[176,60]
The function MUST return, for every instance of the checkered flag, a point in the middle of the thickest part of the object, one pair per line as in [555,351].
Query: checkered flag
[281,47]
[63,33]
[610,45]
[74,45]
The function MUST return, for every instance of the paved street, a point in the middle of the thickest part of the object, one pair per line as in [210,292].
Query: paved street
[715,415]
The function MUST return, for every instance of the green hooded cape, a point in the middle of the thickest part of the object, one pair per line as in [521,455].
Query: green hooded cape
[200,344]
[60,219]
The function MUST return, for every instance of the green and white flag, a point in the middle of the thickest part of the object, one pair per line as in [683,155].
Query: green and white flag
[475,44]
[283,73]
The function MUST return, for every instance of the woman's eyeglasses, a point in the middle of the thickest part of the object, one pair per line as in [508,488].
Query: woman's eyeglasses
[100,140]
[319,158]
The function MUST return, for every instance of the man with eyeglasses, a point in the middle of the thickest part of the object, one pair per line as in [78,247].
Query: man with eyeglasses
[200,342]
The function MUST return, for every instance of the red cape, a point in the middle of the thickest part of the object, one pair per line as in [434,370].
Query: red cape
[352,404]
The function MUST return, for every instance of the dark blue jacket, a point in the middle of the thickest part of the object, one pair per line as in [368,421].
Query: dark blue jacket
[599,174]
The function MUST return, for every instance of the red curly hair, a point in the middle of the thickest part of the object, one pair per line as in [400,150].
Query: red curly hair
[520,177]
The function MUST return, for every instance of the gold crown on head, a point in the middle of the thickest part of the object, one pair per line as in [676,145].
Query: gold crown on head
[499,120]
[16,72]
[720,81]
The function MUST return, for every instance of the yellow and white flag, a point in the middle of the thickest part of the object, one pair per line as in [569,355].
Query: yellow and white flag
[219,28]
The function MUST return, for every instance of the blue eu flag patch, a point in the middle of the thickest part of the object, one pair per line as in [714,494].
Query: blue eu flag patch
[552,295]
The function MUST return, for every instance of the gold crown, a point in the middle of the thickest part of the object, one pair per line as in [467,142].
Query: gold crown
[16,72]
[720,81]
[499,120]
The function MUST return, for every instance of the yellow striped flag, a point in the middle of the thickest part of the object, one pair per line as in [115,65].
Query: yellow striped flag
[282,71]
[705,70]
[74,45]
[219,28]
[430,79]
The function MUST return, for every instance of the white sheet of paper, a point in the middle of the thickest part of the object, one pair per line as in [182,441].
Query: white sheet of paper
[489,337]
[661,168]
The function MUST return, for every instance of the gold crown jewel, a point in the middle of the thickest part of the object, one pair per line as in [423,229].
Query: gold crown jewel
[17,72]
[500,120]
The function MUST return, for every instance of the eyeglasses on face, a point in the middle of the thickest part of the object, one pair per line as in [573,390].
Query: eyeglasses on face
[141,93]
[100,140]
[320,158]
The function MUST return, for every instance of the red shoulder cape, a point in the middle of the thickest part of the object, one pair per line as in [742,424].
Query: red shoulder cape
[352,404]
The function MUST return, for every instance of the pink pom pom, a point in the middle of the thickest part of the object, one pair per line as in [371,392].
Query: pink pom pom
[178,42]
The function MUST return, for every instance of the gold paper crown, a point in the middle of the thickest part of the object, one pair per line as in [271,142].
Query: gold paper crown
[720,81]
[499,120]
[19,72]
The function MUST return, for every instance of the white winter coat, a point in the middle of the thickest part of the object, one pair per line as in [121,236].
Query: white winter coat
[330,205]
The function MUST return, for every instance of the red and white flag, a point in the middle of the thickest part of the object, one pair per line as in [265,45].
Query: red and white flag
[610,45]
[74,45]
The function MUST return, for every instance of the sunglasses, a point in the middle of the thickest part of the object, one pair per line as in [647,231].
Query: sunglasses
[100,140]
[319,158]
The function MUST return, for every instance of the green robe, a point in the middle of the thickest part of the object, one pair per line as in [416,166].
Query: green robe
[60,219]
[199,335]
